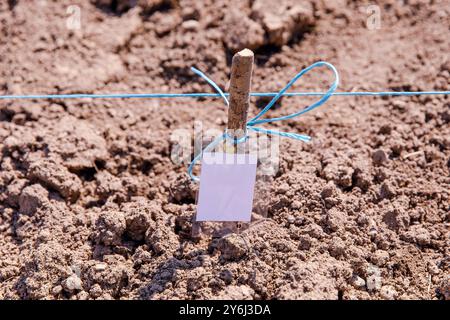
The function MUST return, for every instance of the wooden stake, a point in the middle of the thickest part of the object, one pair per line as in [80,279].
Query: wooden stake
[241,77]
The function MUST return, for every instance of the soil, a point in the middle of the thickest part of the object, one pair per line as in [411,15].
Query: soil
[92,207]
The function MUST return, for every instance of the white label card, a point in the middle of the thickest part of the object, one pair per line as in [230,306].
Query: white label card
[227,183]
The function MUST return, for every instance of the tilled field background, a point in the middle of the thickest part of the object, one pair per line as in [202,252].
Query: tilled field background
[92,207]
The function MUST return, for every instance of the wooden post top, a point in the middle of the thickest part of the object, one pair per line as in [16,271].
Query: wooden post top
[240,83]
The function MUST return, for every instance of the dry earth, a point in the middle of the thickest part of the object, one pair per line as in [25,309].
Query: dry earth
[92,207]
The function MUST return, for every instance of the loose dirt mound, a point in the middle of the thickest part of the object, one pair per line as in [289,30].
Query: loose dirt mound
[92,207]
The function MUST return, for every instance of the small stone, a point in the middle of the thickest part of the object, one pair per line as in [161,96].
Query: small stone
[241,292]
[380,258]
[190,25]
[433,268]
[373,283]
[83,295]
[387,190]
[379,157]
[398,104]
[106,296]
[388,293]
[296,205]
[336,219]
[358,282]
[374,279]
[423,238]
[283,188]
[72,283]
[95,291]
[100,267]
[337,247]
[44,235]
[291,219]
[75,269]
[57,290]
[233,247]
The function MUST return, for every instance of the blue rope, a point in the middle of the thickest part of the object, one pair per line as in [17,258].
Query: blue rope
[251,124]
[214,95]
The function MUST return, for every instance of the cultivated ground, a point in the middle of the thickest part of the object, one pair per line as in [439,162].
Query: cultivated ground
[92,207]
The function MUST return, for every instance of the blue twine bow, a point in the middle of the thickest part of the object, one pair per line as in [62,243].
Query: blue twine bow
[252,124]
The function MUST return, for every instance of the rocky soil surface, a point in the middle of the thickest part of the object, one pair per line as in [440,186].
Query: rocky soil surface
[92,206]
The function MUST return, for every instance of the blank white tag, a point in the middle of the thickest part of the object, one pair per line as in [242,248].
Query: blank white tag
[227,182]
